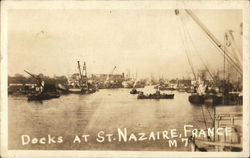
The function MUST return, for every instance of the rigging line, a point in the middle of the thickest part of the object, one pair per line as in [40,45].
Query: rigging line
[234,43]
[196,124]
[229,59]
[236,68]
[212,37]
[191,40]
[229,66]
[205,122]
[188,48]
[222,53]
[187,44]
[189,52]
[235,50]
[183,41]
[199,55]
[209,113]
[224,75]
[230,44]
[234,54]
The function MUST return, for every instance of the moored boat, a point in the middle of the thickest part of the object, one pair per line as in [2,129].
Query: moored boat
[134,91]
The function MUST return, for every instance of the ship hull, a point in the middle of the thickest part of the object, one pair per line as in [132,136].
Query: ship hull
[162,96]
[43,96]
[196,99]
[212,100]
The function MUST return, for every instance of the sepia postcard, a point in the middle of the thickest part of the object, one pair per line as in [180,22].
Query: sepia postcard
[124,78]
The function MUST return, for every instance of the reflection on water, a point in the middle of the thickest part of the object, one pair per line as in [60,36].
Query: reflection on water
[105,110]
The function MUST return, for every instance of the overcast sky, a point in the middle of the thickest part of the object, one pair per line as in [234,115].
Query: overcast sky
[143,41]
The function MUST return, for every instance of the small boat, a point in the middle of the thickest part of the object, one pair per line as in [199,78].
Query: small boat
[43,96]
[155,96]
[134,91]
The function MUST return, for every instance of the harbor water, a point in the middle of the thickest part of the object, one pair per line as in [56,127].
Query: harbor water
[106,110]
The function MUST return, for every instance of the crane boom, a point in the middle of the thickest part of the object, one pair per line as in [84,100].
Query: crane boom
[111,73]
[113,70]
[38,80]
[32,75]
[79,68]
[215,40]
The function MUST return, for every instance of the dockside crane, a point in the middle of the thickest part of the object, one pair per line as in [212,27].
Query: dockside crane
[38,79]
[111,73]
[107,82]
[83,78]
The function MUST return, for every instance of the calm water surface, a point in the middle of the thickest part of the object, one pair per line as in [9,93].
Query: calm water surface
[105,110]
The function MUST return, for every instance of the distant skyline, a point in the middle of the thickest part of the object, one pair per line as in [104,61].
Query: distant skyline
[146,42]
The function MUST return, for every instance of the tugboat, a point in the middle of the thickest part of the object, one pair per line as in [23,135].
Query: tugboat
[137,84]
[134,91]
[156,95]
